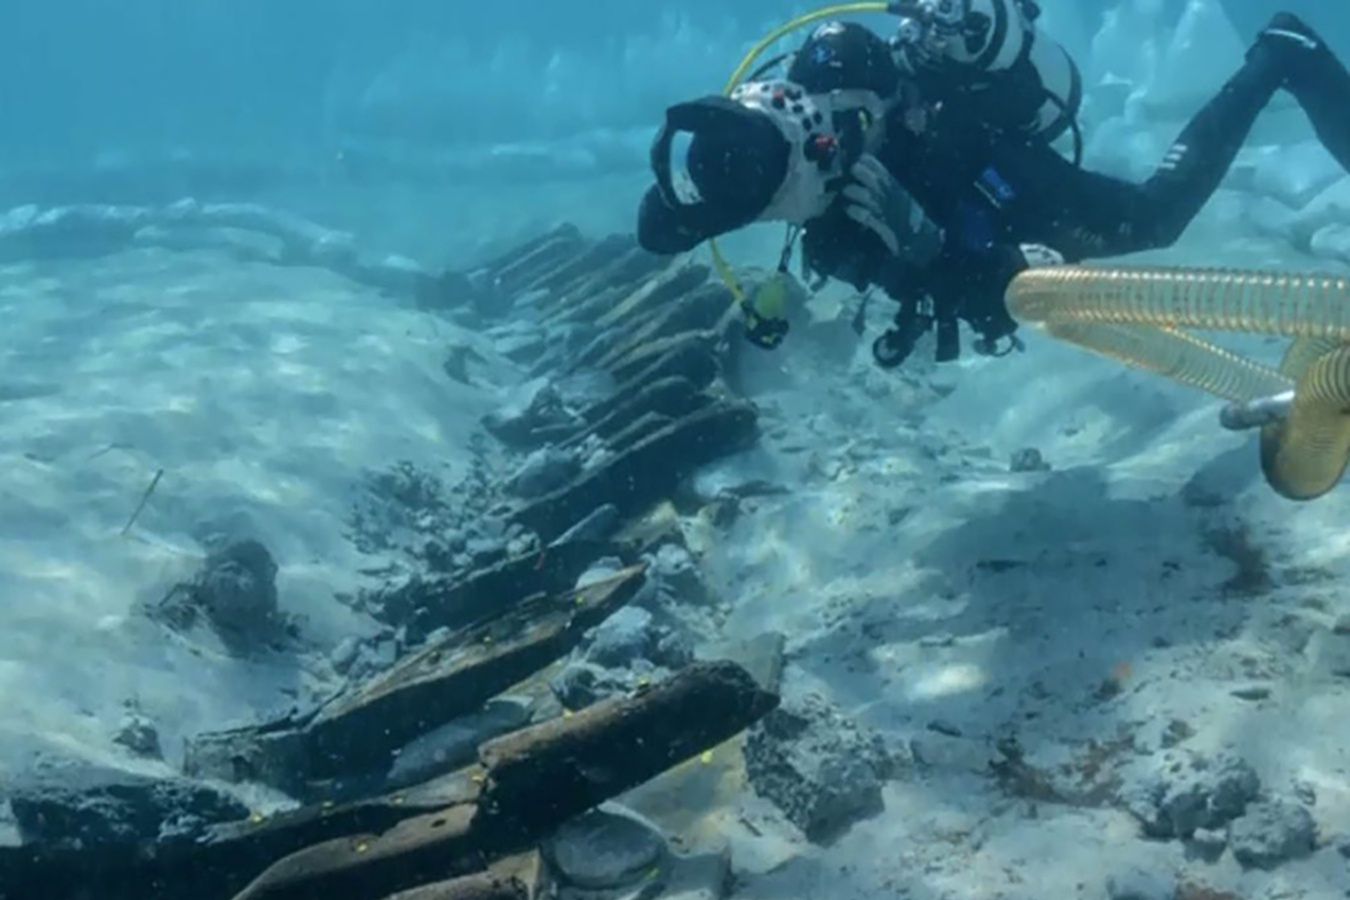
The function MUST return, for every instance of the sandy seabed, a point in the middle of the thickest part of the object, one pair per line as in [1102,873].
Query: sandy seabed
[1149,577]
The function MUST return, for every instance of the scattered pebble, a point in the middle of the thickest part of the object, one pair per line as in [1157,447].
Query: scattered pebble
[1177,732]
[823,770]
[1252,692]
[1028,460]
[138,734]
[543,471]
[1140,884]
[344,655]
[1272,833]
[1209,842]
[1176,792]
[606,848]
[623,638]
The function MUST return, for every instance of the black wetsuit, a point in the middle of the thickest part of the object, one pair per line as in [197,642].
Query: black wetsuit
[991,190]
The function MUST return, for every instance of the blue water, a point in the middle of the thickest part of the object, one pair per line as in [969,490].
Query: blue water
[442,130]
[273,91]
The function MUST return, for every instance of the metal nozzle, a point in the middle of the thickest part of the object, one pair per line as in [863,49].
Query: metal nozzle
[1257,413]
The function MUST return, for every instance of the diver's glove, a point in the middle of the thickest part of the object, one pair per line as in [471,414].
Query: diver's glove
[991,318]
[877,202]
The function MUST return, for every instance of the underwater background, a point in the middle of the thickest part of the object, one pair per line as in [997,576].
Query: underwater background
[313,311]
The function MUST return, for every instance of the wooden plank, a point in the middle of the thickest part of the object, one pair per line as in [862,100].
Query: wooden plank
[533,781]
[545,775]
[648,472]
[418,851]
[425,604]
[472,887]
[454,677]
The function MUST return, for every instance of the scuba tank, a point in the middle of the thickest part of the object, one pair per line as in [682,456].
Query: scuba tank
[991,53]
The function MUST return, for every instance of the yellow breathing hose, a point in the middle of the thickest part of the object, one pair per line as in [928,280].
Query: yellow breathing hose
[720,264]
[1135,316]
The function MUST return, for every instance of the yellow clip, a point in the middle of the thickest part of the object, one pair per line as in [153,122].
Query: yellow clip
[706,758]
[362,847]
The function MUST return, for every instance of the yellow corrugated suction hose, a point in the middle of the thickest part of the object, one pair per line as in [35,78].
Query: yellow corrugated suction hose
[1135,316]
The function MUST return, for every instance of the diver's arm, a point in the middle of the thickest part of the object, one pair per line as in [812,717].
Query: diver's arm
[874,234]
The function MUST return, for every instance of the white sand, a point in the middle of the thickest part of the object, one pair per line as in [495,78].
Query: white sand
[918,579]
[264,393]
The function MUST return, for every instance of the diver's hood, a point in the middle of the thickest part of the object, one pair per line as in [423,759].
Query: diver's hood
[770,152]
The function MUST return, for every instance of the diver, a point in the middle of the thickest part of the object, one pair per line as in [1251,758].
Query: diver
[925,165]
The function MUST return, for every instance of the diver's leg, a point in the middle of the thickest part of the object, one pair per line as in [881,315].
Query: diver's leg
[1199,159]
[1085,214]
[1313,74]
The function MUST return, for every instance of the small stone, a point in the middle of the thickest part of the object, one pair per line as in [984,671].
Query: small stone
[943,727]
[1252,692]
[1209,842]
[704,877]
[1140,884]
[1272,833]
[455,744]
[485,551]
[543,471]
[823,770]
[1028,460]
[138,734]
[675,570]
[1342,626]
[624,637]
[673,650]
[1178,732]
[344,654]
[605,849]
[580,685]
[724,511]
[1175,793]
[9,829]
[238,588]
